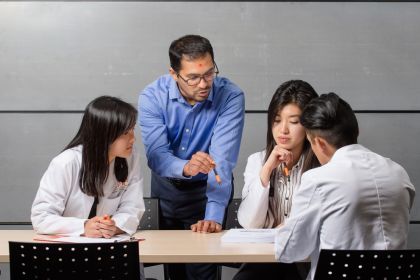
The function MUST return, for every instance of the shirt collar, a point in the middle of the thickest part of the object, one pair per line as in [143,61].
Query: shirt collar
[343,151]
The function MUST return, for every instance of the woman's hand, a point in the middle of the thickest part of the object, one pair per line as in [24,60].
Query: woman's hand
[277,156]
[92,228]
[98,227]
[107,227]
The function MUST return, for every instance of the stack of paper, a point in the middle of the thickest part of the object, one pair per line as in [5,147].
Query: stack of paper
[239,235]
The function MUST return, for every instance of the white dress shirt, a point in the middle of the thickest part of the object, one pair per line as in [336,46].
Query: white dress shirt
[60,207]
[358,200]
[255,210]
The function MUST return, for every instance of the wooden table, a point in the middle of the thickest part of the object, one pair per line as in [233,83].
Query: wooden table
[171,246]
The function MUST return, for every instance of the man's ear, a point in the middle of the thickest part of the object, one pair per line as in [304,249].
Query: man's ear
[325,148]
[173,74]
[321,143]
[309,137]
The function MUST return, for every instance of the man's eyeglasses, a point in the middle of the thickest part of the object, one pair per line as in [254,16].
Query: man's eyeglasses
[208,77]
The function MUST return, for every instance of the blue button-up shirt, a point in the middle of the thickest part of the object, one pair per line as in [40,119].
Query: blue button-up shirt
[173,130]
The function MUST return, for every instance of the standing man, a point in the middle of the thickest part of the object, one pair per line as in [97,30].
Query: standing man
[191,123]
[356,200]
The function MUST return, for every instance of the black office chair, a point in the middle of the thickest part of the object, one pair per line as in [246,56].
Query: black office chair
[150,221]
[57,261]
[368,264]
[232,214]
[230,223]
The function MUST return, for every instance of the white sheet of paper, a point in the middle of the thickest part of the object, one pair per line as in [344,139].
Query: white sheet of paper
[240,235]
[81,239]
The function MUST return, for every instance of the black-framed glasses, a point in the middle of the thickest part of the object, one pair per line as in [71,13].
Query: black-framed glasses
[208,77]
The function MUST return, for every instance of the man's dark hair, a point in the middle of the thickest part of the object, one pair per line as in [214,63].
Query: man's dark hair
[189,47]
[331,118]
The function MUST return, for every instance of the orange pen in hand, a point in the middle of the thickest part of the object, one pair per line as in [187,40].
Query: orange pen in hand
[286,172]
[218,180]
[107,217]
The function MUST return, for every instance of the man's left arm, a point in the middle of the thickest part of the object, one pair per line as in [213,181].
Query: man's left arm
[224,149]
[298,236]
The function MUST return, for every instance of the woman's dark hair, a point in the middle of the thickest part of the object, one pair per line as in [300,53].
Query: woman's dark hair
[191,46]
[295,92]
[105,119]
[332,118]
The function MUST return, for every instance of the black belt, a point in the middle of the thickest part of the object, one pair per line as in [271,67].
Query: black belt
[186,183]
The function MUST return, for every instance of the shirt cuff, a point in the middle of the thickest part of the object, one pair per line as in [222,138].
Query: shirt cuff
[215,212]
[177,167]
[79,227]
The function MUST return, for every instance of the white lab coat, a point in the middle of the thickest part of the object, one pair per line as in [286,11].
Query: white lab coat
[254,209]
[60,207]
[358,200]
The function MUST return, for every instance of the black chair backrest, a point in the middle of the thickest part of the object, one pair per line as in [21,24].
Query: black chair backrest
[57,261]
[368,264]
[150,219]
[232,214]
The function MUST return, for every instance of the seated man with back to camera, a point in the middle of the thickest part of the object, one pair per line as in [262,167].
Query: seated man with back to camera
[356,200]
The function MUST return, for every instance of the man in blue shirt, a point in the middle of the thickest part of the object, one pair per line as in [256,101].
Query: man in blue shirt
[191,123]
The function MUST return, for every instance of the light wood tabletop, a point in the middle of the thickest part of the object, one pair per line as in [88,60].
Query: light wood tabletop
[172,246]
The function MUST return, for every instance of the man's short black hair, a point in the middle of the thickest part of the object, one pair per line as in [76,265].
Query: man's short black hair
[331,118]
[189,47]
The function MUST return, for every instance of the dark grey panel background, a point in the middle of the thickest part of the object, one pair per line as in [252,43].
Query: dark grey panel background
[30,141]
[59,55]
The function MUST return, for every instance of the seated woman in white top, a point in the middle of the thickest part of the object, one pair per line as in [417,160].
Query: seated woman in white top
[94,187]
[273,175]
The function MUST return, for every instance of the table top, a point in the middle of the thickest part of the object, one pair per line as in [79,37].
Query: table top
[173,246]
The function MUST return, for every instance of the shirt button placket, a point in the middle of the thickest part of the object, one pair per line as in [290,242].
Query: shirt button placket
[186,135]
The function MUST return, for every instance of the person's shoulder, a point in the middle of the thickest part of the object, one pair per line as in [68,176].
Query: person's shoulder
[319,174]
[388,163]
[257,157]
[160,86]
[68,157]
[134,159]
[226,86]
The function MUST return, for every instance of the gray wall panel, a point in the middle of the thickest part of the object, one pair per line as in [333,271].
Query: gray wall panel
[60,55]
[30,141]
[413,237]
[394,136]
[391,135]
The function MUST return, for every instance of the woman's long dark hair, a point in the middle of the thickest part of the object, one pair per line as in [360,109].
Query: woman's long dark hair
[291,92]
[104,120]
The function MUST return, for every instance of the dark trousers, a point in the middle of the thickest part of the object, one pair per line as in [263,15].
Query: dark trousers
[182,204]
[275,271]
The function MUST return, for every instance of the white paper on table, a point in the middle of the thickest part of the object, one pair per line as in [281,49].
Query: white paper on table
[240,235]
[81,239]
